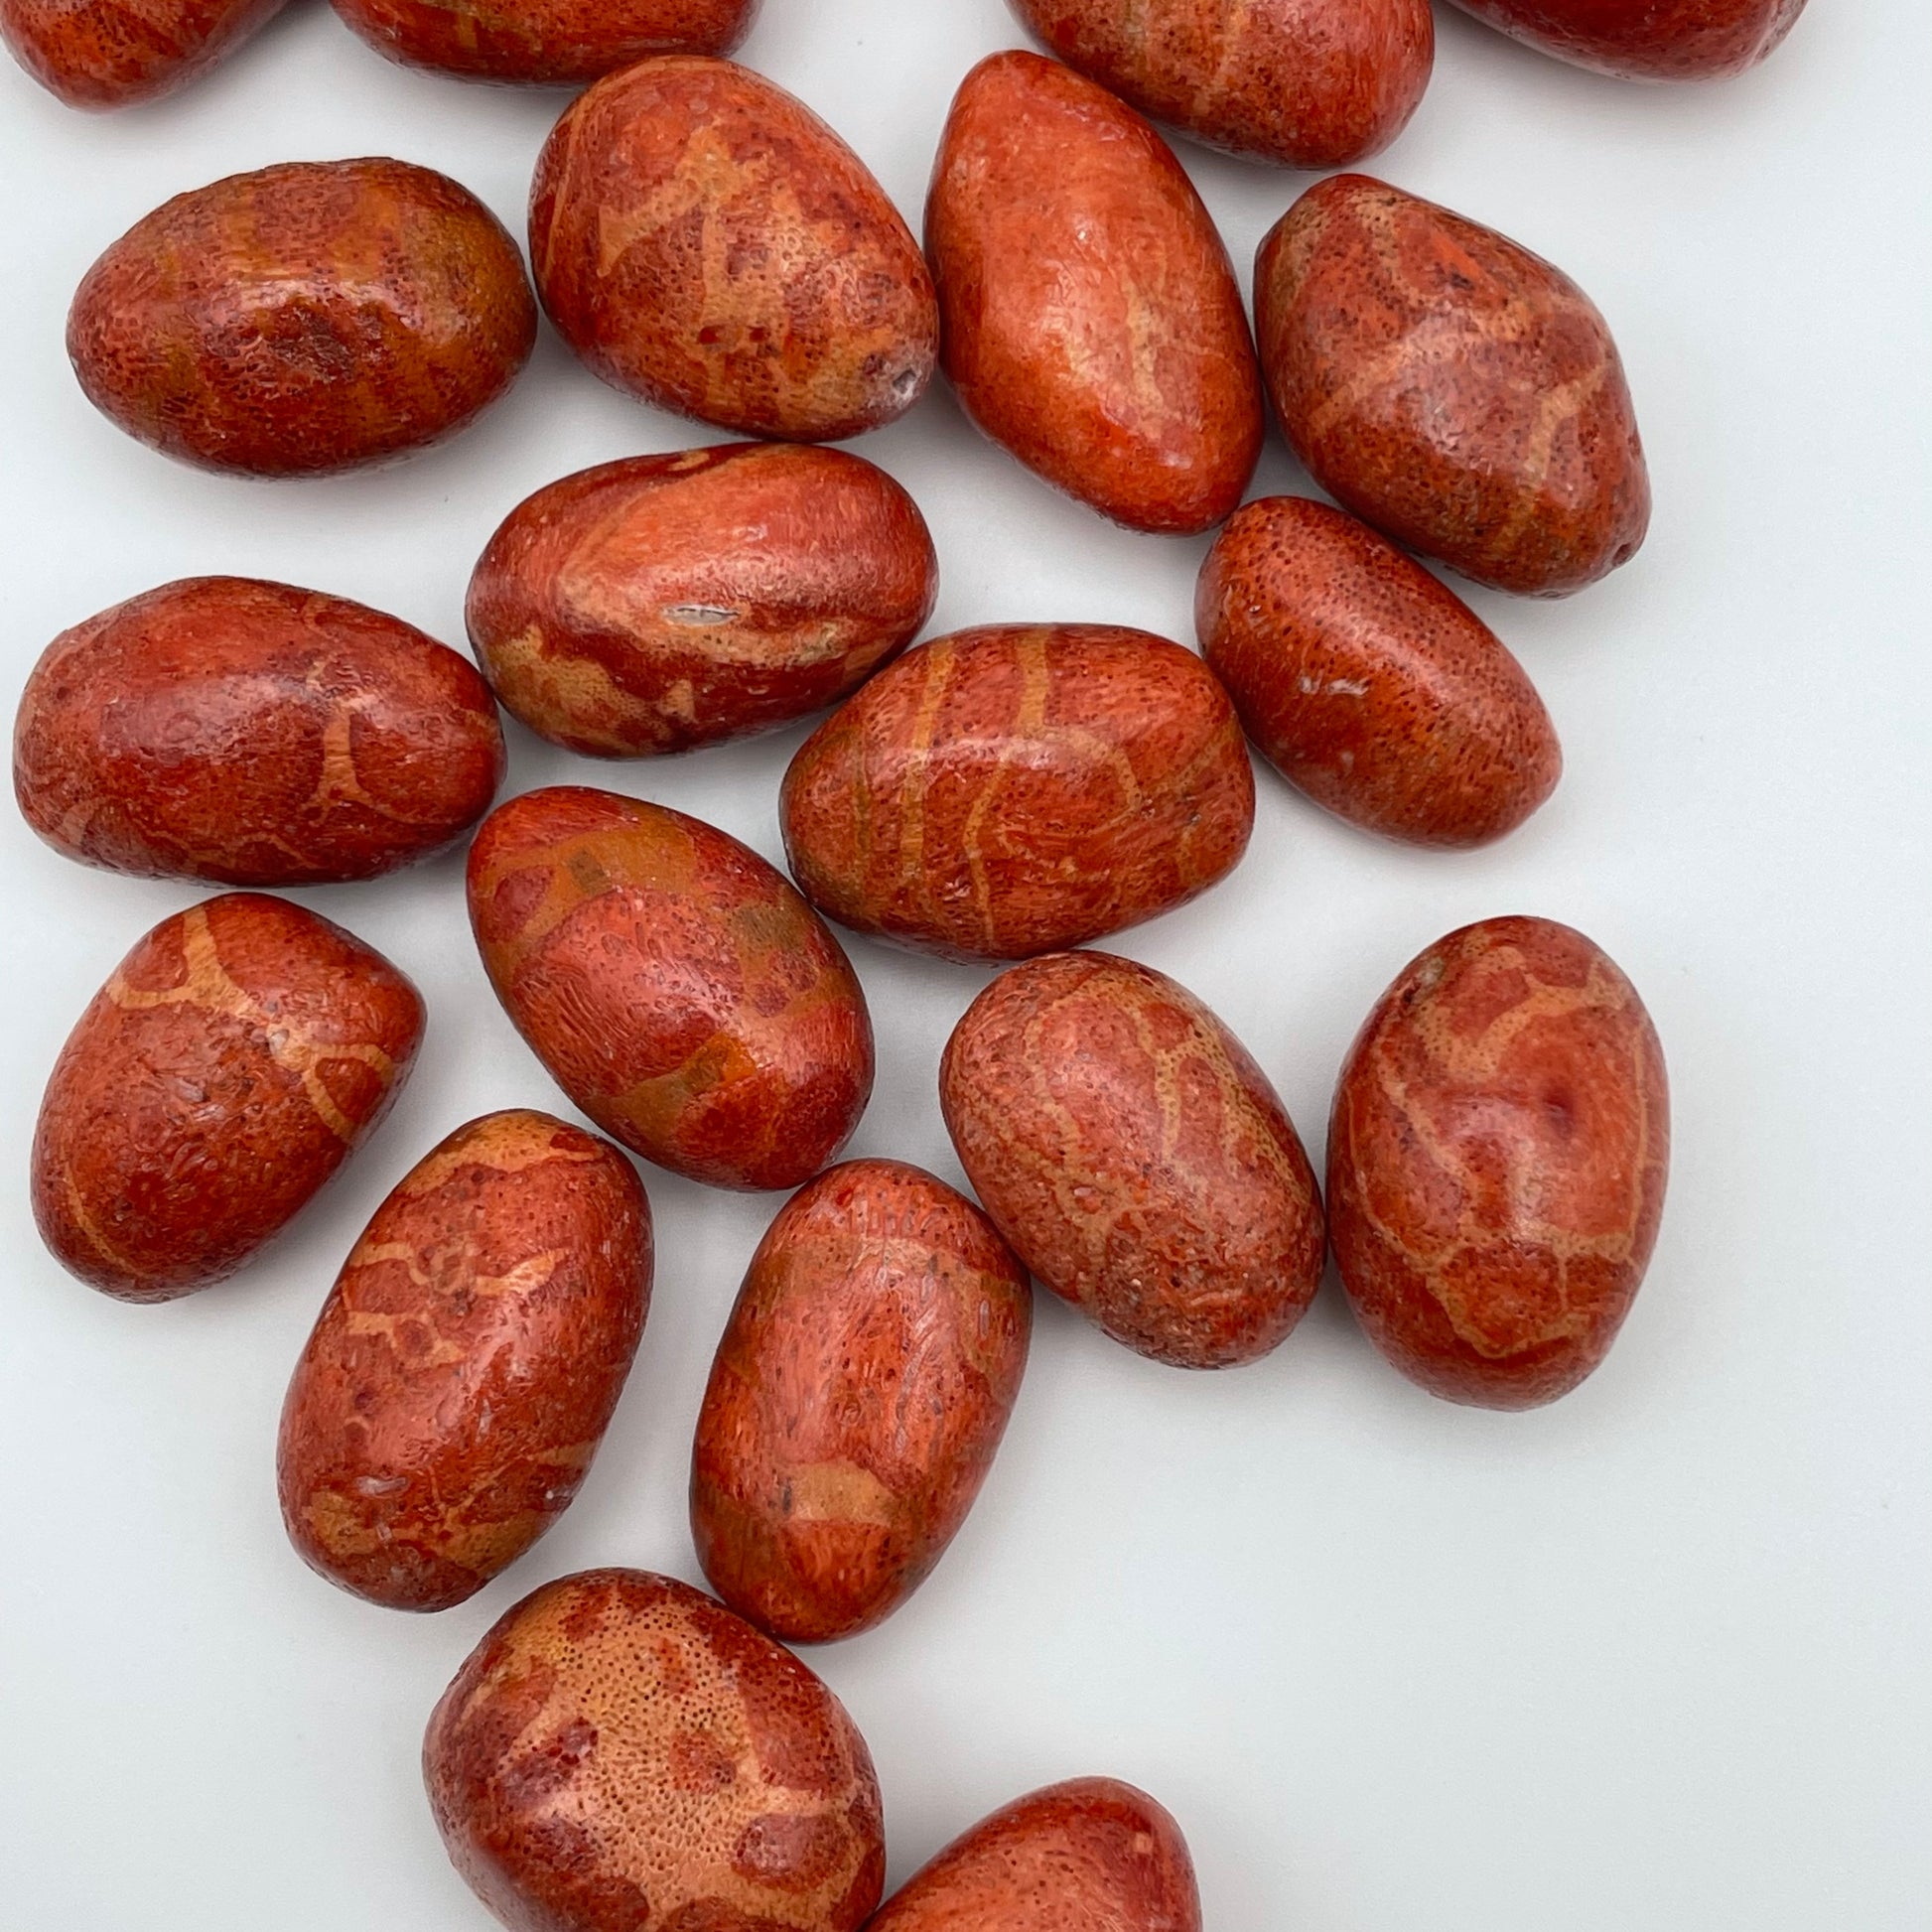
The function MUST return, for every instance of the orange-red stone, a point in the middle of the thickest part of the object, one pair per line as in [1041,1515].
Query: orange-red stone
[1368,683]
[1088,1855]
[859,1396]
[99,54]
[1093,323]
[467,1362]
[237,1057]
[1497,1161]
[622,1754]
[548,42]
[668,601]
[304,319]
[703,240]
[1450,388]
[1305,84]
[1016,790]
[1136,1157]
[675,985]
[254,734]
[1664,40]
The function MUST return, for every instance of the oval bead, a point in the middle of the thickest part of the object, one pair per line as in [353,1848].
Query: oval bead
[1497,1161]
[806,312]
[1093,323]
[1450,388]
[305,318]
[467,1362]
[1304,83]
[859,1396]
[544,42]
[1136,1157]
[669,602]
[235,1060]
[1367,683]
[254,734]
[622,1754]
[675,985]
[1019,788]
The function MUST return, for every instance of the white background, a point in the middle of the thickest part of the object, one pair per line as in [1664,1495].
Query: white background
[1653,1660]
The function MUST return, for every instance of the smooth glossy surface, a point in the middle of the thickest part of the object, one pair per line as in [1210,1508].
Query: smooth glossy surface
[1092,324]
[467,1362]
[675,984]
[1092,1855]
[234,1061]
[1137,1157]
[1019,789]
[305,318]
[669,602]
[703,240]
[99,54]
[548,42]
[1497,1162]
[252,733]
[1368,683]
[1666,40]
[858,1398]
[622,1754]
[1450,388]
[1305,84]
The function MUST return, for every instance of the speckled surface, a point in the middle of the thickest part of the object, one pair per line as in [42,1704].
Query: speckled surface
[467,1362]
[668,601]
[101,54]
[703,240]
[234,1061]
[1497,1161]
[1093,326]
[1450,388]
[1019,789]
[252,733]
[1367,682]
[550,43]
[859,1395]
[622,1754]
[1137,1157]
[307,318]
[1304,84]
[1666,40]
[1092,1855]
[675,985]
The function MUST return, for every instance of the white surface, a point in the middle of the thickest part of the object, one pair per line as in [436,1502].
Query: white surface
[1654,1659]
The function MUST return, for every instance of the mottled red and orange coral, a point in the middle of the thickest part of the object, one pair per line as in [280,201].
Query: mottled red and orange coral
[1497,1162]
[254,734]
[1088,1854]
[99,54]
[1305,84]
[304,319]
[237,1057]
[1369,683]
[675,985]
[1665,40]
[668,602]
[624,1754]
[1450,388]
[467,1362]
[544,42]
[1011,790]
[859,1396]
[701,239]
[1093,323]
[1137,1157]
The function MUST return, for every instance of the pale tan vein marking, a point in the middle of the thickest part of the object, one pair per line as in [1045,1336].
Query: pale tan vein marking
[209,985]
[919,762]
[526,1277]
